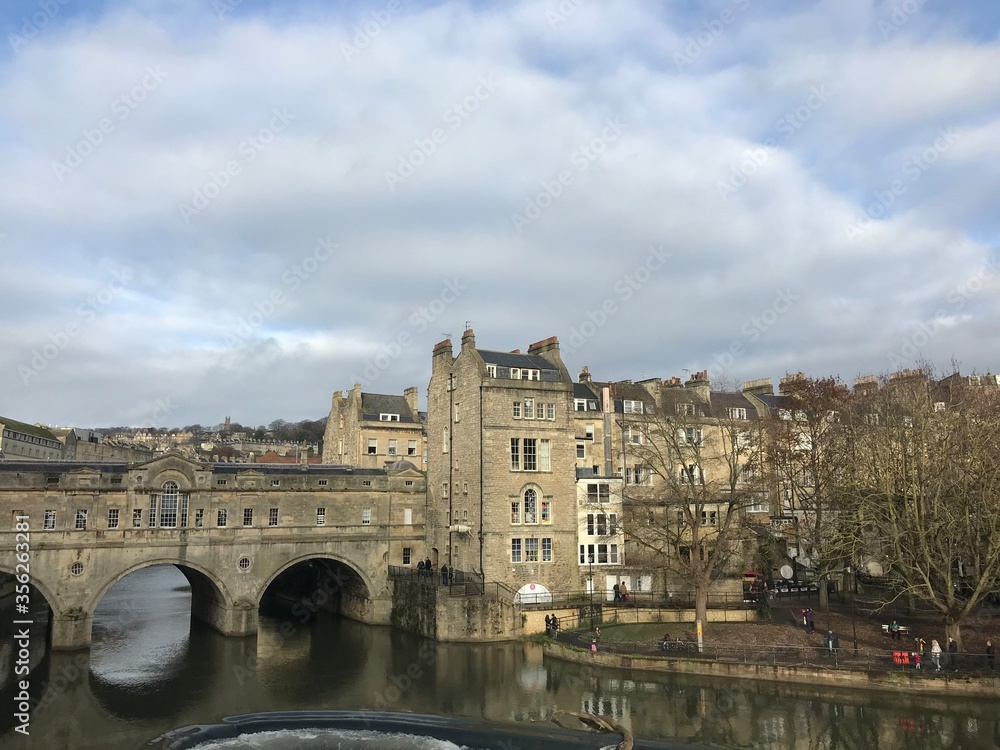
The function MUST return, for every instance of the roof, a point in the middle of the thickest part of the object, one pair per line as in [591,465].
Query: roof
[722,400]
[29,429]
[373,404]
[509,359]
[583,390]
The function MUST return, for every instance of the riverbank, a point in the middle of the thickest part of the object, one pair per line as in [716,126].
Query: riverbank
[910,682]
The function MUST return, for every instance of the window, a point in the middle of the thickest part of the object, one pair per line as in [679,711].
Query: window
[515,373]
[544,455]
[50,520]
[444,444]
[388,417]
[581,449]
[222,518]
[599,554]
[529,408]
[531,550]
[550,411]
[321,516]
[366,516]
[406,555]
[407,482]
[411,448]
[685,410]
[199,518]
[81,520]
[546,549]
[709,518]
[546,511]
[275,482]
[444,489]
[491,371]
[372,446]
[116,479]
[515,511]
[690,474]
[579,404]
[272,517]
[51,479]
[530,454]
[515,550]
[632,407]
[152,511]
[590,432]
[221,482]
[366,483]
[248,516]
[113,518]
[323,482]
[736,412]
[517,410]
[515,454]
[168,506]
[872,419]
[939,406]
[392,447]
[136,518]
[598,493]
[633,435]
[690,436]
[530,506]
[408,516]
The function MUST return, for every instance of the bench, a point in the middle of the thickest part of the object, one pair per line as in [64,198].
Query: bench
[903,630]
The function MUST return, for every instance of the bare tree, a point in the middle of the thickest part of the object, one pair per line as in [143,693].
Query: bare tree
[805,452]
[924,480]
[693,475]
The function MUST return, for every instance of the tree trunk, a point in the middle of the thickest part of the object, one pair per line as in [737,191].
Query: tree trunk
[701,605]
[824,595]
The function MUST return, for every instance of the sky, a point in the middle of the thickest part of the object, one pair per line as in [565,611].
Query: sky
[238,207]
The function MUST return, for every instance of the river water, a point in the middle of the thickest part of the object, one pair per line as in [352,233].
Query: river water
[151,671]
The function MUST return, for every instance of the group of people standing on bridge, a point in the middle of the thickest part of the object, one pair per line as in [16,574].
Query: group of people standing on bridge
[426,568]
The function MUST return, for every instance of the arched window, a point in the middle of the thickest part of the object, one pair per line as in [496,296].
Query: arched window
[530,506]
[168,506]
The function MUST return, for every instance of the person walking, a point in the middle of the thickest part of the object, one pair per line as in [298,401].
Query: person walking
[623,590]
[593,647]
[618,593]
[936,654]
[952,653]
[808,617]
[990,654]
[548,625]
[420,569]
[916,660]
[428,568]
[444,574]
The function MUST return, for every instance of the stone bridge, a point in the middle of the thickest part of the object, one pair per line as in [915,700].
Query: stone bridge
[321,532]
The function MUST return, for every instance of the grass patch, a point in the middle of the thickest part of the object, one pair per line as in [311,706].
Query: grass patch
[650,632]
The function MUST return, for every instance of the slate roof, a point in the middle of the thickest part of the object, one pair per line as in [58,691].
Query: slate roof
[28,429]
[723,400]
[373,404]
[509,359]
[584,390]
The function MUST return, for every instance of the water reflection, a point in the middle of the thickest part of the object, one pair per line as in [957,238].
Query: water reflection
[151,671]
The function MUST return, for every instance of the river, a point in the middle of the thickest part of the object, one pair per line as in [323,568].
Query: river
[150,671]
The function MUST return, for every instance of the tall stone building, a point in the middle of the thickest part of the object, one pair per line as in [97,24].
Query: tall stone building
[502,465]
[371,430]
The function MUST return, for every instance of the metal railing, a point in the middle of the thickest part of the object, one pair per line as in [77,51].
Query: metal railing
[684,645]
[454,582]
[664,599]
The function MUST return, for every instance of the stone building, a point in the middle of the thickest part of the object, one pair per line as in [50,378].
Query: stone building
[88,445]
[502,465]
[370,430]
[26,441]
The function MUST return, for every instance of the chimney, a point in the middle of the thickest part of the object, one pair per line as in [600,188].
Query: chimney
[699,383]
[759,387]
[543,347]
[441,348]
[515,351]
[410,394]
[468,340]
[585,374]
[788,380]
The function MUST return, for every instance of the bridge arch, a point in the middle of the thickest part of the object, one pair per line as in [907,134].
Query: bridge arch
[47,591]
[340,585]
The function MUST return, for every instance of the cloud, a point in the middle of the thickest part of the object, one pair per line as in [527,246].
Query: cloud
[278,126]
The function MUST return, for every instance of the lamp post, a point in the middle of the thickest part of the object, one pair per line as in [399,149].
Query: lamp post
[590,560]
[854,597]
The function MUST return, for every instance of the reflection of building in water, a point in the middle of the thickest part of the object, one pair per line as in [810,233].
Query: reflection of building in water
[616,706]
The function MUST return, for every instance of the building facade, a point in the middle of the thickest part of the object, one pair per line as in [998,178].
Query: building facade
[502,465]
[371,430]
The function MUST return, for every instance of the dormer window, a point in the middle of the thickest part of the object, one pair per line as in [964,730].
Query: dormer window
[491,371]
[685,410]
[515,373]
[736,412]
[579,404]
[632,407]
[388,417]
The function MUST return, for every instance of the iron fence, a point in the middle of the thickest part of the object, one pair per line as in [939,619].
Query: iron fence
[684,645]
